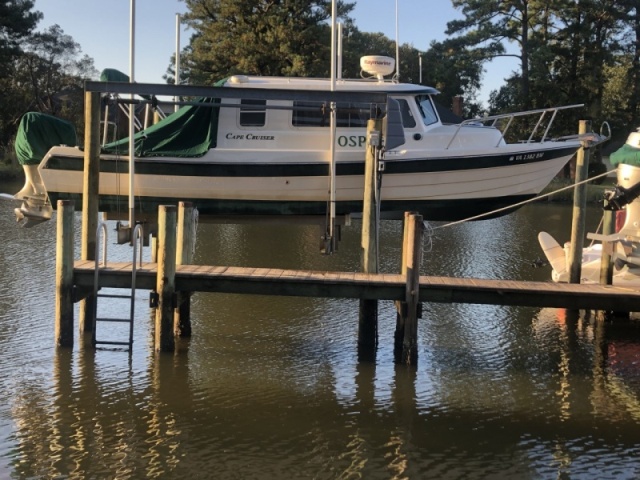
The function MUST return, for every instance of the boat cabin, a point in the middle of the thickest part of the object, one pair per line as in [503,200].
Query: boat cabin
[303,125]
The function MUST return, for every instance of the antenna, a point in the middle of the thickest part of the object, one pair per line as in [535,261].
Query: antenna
[397,75]
[177,67]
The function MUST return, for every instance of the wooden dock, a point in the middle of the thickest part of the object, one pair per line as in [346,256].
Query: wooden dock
[171,282]
[172,279]
[275,281]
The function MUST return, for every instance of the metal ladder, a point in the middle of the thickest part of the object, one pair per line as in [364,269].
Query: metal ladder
[102,231]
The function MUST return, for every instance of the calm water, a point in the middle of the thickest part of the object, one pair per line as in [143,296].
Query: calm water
[271,388]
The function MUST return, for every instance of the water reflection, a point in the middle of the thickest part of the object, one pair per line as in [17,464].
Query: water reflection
[271,387]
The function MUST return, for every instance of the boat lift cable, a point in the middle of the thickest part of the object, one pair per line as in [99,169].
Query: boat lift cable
[597,230]
[520,204]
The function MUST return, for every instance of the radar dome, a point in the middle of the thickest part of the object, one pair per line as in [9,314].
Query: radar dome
[378,65]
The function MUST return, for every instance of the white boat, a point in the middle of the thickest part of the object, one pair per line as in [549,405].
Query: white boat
[624,245]
[271,156]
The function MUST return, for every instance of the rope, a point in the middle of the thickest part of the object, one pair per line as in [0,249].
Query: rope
[534,199]
[597,229]
[427,239]
[194,226]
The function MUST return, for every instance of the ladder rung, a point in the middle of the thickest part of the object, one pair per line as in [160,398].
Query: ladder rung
[112,295]
[102,229]
[121,320]
[107,342]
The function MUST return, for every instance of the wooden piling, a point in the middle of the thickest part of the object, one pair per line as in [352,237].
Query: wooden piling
[368,312]
[579,207]
[606,266]
[90,191]
[401,306]
[154,248]
[406,334]
[165,280]
[185,244]
[64,275]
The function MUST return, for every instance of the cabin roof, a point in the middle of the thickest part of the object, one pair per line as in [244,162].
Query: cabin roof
[324,84]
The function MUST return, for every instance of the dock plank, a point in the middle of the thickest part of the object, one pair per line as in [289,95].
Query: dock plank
[275,281]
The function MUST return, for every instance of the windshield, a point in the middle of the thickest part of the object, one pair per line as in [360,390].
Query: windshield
[427,109]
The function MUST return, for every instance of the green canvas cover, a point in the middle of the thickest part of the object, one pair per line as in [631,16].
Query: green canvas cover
[38,132]
[189,132]
[627,155]
[113,75]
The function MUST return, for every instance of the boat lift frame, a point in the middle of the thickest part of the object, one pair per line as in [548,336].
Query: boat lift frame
[377,105]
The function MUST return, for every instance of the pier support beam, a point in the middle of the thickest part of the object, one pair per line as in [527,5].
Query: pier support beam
[184,256]
[406,335]
[368,313]
[165,283]
[579,207]
[91,185]
[606,266]
[64,275]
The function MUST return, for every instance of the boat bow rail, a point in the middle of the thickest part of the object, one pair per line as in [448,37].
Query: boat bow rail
[496,120]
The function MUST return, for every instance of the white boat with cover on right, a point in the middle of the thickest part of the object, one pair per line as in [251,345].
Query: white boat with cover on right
[624,244]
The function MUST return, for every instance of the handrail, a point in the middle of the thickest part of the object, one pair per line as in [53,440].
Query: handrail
[510,116]
[102,232]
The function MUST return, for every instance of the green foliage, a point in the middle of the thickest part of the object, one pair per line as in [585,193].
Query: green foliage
[47,76]
[292,38]
[616,100]
[564,47]
[259,37]
[55,71]
[17,20]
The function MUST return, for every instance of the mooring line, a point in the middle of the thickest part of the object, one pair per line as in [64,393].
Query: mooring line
[524,202]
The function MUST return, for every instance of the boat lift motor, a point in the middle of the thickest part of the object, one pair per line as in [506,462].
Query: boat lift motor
[620,197]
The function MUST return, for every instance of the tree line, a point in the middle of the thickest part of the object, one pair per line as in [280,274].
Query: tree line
[567,52]
[41,71]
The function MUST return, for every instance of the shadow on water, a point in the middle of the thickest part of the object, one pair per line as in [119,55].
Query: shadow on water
[272,387]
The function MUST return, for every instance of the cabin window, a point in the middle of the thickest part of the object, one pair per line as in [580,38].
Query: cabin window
[317,114]
[253,113]
[408,121]
[352,115]
[310,114]
[427,110]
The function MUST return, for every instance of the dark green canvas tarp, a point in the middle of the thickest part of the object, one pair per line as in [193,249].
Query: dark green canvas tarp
[113,75]
[189,132]
[38,132]
[627,155]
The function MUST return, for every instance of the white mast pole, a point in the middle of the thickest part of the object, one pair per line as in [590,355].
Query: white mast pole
[132,113]
[340,53]
[397,47]
[177,76]
[332,187]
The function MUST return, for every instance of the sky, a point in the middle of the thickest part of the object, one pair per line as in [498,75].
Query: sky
[102,30]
